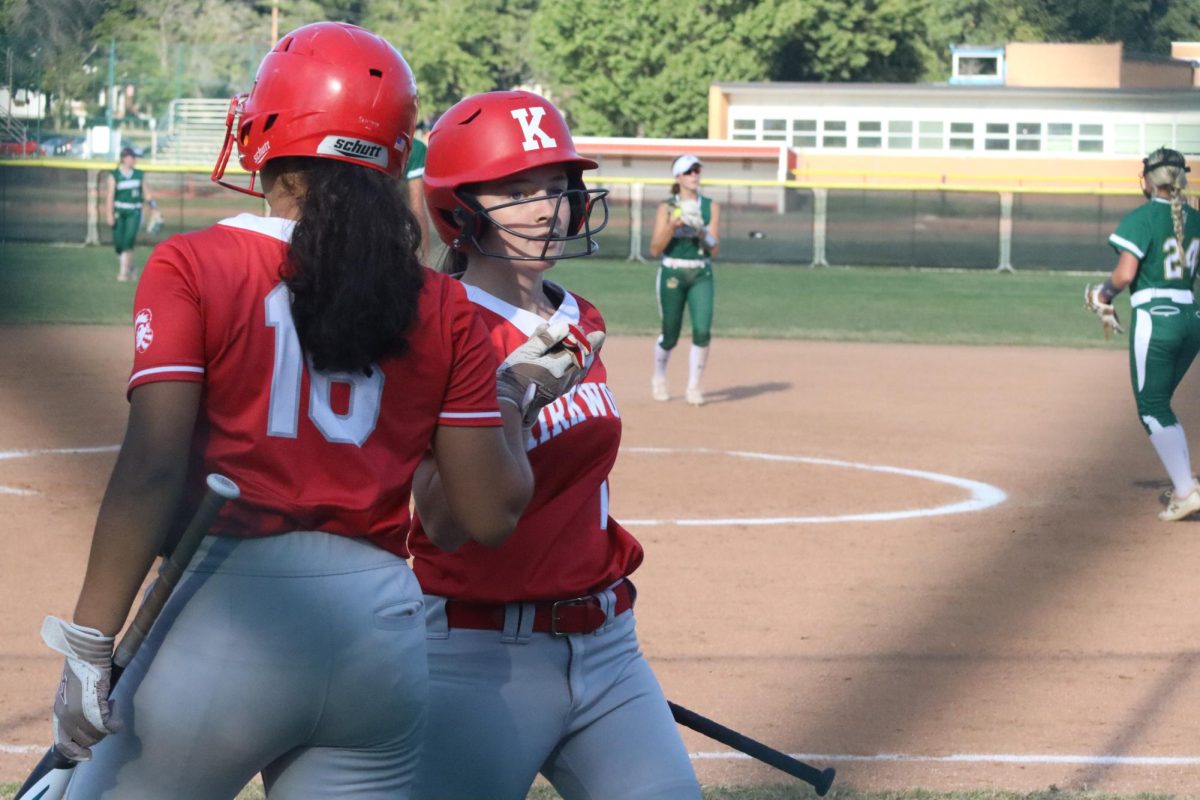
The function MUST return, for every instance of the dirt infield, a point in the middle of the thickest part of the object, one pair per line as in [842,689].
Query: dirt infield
[813,601]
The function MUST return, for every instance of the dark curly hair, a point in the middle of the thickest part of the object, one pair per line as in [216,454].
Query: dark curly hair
[353,269]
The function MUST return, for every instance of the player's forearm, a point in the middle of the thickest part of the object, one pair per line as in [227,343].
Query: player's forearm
[487,492]
[1125,271]
[436,519]
[511,488]
[134,518]
[658,241]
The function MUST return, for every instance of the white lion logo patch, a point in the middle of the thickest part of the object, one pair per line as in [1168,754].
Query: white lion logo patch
[143,334]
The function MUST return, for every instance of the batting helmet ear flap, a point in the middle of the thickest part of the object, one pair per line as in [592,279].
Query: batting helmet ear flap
[578,200]
[469,218]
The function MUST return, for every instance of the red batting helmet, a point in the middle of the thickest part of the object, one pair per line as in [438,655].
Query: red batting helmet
[327,90]
[495,135]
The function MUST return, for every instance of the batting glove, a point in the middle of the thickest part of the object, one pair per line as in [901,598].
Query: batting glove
[82,715]
[547,366]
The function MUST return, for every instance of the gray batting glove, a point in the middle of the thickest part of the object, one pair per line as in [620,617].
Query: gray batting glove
[82,715]
[547,366]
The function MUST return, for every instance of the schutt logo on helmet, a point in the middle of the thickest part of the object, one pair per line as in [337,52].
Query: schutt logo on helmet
[354,148]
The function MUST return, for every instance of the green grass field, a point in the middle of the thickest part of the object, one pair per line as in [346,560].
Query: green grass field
[45,283]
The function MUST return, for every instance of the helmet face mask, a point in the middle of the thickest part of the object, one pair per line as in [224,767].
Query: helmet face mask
[497,136]
[326,90]
[477,222]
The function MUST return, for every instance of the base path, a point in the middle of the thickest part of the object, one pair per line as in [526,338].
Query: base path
[800,584]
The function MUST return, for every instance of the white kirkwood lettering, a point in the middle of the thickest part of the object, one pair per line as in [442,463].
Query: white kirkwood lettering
[566,412]
[612,401]
[558,417]
[590,393]
[573,408]
[531,126]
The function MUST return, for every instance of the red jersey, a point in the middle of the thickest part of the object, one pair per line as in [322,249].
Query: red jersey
[565,544]
[310,450]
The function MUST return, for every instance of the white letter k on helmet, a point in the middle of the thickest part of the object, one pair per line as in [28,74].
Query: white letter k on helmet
[530,119]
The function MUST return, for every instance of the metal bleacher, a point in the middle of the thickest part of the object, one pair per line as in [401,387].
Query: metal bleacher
[194,131]
[13,131]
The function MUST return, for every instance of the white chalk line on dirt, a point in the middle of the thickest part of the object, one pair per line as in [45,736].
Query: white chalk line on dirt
[979,758]
[6,455]
[821,758]
[982,495]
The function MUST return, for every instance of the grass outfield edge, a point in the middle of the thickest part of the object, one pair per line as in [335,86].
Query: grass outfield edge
[52,284]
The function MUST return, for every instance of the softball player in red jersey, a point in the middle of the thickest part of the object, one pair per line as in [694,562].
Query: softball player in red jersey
[534,661]
[310,357]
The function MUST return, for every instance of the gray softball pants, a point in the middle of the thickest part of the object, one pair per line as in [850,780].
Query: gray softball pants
[301,656]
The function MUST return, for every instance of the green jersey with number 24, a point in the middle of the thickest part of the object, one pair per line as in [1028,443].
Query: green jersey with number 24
[1147,233]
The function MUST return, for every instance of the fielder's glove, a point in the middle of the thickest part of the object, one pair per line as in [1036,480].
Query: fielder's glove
[550,363]
[1093,300]
[689,212]
[82,715]
[154,222]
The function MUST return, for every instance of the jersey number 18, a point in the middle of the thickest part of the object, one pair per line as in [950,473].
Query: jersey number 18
[283,416]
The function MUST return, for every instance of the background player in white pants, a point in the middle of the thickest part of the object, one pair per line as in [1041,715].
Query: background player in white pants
[533,655]
[1158,246]
[310,357]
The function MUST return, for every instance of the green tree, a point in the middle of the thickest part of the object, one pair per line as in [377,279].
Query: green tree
[1145,26]
[294,13]
[631,68]
[949,22]
[870,40]
[53,48]
[184,48]
[456,47]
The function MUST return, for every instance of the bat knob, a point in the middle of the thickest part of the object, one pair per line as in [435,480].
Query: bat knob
[223,486]
[822,784]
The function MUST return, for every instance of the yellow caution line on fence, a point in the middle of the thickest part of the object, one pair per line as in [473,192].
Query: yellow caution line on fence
[79,164]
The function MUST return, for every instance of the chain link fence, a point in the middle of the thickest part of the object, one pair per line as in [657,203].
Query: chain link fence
[782,224]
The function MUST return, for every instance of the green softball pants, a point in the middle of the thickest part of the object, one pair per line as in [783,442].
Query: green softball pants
[1163,341]
[693,288]
[125,229]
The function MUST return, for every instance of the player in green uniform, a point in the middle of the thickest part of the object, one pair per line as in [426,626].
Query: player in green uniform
[414,174]
[685,235]
[1158,244]
[127,191]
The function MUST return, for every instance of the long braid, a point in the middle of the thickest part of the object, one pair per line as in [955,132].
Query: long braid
[1177,216]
